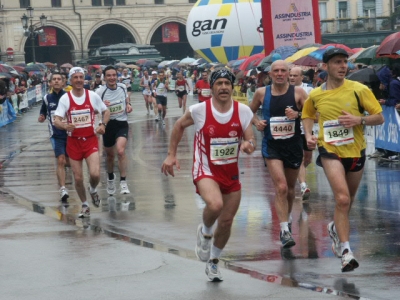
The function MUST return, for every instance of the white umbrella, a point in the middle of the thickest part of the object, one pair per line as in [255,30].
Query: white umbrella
[164,63]
[186,61]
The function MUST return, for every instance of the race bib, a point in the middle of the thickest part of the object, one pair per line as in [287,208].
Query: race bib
[224,150]
[81,118]
[336,134]
[53,117]
[206,92]
[281,128]
[181,88]
[116,109]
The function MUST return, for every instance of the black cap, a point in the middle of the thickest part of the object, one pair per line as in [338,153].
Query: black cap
[333,52]
[98,75]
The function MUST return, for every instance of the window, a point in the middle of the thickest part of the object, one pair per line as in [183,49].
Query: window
[108,2]
[96,2]
[24,3]
[369,8]
[55,3]
[342,9]
[158,1]
[192,1]
[121,2]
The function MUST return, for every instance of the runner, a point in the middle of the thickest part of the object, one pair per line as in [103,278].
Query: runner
[282,147]
[146,87]
[115,97]
[161,91]
[341,143]
[58,137]
[223,126]
[153,94]
[126,79]
[203,87]
[181,91]
[80,106]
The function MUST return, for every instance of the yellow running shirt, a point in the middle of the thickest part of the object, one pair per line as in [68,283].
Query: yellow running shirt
[344,142]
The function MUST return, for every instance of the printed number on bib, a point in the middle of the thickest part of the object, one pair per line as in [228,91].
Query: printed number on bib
[282,128]
[224,150]
[336,134]
[206,92]
[181,88]
[116,109]
[81,118]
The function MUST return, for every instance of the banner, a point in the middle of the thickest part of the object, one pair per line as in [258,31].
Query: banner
[387,134]
[49,38]
[170,33]
[293,23]
[39,96]
[7,113]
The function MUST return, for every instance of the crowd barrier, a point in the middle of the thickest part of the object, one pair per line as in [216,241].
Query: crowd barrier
[387,134]
[20,102]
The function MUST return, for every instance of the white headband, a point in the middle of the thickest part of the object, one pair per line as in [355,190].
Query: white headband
[76,70]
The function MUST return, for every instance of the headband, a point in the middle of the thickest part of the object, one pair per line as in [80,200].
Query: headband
[222,73]
[76,70]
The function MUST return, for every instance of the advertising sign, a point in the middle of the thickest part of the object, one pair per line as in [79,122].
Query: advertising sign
[49,38]
[170,33]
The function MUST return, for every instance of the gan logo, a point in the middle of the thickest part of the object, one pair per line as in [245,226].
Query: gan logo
[233,133]
[295,34]
[293,13]
[209,27]
[211,130]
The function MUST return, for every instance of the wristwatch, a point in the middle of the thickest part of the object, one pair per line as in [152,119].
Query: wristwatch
[299,114]
[101,123]
[363,121]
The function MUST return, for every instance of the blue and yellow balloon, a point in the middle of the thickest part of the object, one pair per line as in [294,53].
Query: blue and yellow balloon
[224,30]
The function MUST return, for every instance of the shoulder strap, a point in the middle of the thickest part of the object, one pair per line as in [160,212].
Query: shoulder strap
[360,108]
[102,95]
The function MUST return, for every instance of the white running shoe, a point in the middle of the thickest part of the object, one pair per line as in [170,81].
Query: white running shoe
[349,263]
[111,189]
[305,192]
[212,270]
[335,240]
[124,187]
[163,122]
[203,245]
[95,198]
[64,194]
[85,212]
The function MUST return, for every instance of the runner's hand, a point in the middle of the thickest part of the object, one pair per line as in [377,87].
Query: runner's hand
[168,166]
[261,124]
[100,129]
[348,120]
[291,114]
[312,142]
[41,118]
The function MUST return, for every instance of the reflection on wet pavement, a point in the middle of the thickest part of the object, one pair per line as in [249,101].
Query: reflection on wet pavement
[162,212]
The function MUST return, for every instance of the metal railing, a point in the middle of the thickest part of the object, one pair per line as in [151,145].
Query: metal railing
[355,25]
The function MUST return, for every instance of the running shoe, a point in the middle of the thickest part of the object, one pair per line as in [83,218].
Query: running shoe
[163,122]
[203,245]
[287,239]
[124,187]
[85,212]
[212,270]
[305,193]
[335,239]
[349,263]
[158,118]
[111,189]
[64,194]
[289,225]
[148,113]
[375,154]
[287,254]
[95,199]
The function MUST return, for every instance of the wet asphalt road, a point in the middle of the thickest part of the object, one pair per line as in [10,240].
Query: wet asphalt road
[162,212]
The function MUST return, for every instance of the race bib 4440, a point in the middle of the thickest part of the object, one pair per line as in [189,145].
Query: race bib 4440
[336,134]
[282,128]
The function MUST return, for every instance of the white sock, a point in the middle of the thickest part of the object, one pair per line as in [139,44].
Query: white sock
[290,218]
[206,230]
[63,187]
[284,226]
[303,185]
[85,203]
[344,246]
[92,190]
[215,252]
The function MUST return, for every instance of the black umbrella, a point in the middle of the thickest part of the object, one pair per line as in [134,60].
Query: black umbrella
[366,75]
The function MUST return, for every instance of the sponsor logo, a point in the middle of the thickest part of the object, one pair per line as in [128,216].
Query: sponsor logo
[235,124]
[293,14]
[260,28]
[211,130]
[216,26]
[233,133]
[294,34]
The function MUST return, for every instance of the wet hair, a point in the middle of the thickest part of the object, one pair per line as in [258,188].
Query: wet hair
[109,68]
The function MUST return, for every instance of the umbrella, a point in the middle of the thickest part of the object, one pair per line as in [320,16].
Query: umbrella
[164,63]
[19,68]
[342,46]
[131,66]
[366,75]
[237,63]
[141,61]
[266,61]
[366,55]
[186,61]
[8,69]
[285,51]
[174,64]
[300,53]
[150,63]
[121,64]
[49,64]
[66,65]
[251,61]
[21,64]
[33,67]
[389,46]
[252,72]
[307,61]
[310,45]
[199,61]
[5,75]
[319,53]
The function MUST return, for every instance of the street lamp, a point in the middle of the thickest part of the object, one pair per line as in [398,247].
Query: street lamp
[30,30]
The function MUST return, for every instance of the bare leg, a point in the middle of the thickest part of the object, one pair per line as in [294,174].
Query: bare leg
[61,169]
[93,163]
[76,166]
[122,161]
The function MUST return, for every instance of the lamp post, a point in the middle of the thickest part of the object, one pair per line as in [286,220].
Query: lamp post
[30,30]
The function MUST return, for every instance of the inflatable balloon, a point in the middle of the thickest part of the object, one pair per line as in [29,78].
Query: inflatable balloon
[224,30]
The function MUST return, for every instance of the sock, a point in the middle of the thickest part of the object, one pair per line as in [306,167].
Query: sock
[92,190]
[63,187]
[123,178]
[303,185]
[206,230]
[85,203]
[215,252]
[110,176]
[284,226]
[290,218]
[344,246]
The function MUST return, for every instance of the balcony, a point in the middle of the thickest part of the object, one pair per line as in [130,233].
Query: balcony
[335,26]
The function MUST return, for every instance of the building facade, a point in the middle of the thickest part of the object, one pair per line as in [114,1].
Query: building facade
[74,27]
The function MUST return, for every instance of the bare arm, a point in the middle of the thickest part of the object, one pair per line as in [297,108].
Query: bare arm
[177,132]
[255,104]
[63,126]
[249,143]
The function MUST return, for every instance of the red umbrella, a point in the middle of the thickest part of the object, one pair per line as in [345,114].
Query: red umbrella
[141,61]
[251,61]
[307,61]
[348,50]
[389,46]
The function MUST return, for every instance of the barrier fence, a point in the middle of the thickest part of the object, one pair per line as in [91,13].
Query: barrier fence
[387,134]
